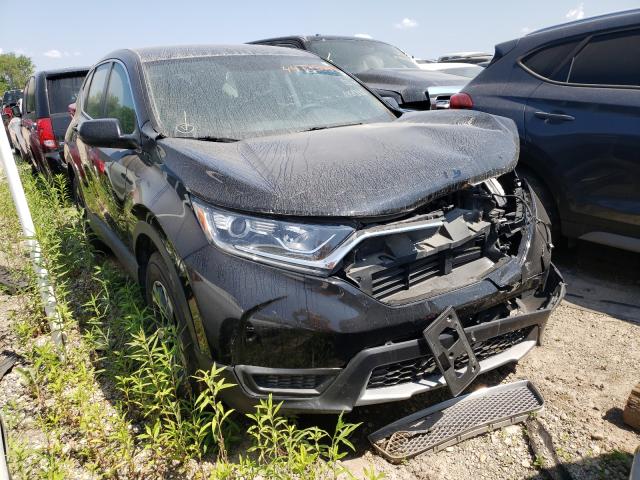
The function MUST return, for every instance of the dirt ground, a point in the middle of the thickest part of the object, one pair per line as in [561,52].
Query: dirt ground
[585,370]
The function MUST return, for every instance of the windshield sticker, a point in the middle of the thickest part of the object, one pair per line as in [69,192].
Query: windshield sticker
[312,69]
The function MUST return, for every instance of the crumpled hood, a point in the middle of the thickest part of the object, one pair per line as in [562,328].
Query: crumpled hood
[411,83]
[358,171]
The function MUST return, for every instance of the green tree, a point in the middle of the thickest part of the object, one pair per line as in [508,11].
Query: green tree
[14,71]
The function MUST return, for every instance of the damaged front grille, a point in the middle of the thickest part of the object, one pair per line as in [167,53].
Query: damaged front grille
[476,228]
[417,369]
[388,281]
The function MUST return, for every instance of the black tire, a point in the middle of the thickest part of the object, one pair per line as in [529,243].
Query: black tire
[157,271]
[548,202]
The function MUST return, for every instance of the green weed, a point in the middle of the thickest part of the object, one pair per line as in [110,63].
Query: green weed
[119,405]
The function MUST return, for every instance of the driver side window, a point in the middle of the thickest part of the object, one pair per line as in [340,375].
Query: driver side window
[93,102]
[119,100]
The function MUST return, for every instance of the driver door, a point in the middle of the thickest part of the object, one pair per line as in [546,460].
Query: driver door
[108,184]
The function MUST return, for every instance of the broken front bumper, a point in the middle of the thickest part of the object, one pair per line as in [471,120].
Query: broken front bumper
[394,371]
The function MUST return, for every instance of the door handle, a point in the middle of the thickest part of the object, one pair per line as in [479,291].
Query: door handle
[558,117]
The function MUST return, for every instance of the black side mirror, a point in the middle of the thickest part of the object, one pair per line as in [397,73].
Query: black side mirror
[16,111]
[105,132]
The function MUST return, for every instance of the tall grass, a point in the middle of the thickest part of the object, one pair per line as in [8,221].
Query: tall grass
[117,406]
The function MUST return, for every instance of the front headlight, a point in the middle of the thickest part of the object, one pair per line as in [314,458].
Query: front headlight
[294,245]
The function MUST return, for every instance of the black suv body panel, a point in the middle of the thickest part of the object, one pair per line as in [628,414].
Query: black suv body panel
[408,86]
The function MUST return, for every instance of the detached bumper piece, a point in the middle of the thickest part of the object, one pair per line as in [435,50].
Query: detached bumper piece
[455,420]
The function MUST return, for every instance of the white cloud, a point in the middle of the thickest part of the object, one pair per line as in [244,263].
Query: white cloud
[406,23]
[362,35]
[576,13]
[53,53]
[76,54]
[525,30]
[1,51]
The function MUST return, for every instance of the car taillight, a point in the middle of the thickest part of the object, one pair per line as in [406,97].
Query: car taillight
[45,133]
[461,100]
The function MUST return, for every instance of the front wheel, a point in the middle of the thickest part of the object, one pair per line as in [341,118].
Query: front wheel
[164,294]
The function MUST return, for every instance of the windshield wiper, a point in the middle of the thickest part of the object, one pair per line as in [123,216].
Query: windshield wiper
[208,138]
[313,129]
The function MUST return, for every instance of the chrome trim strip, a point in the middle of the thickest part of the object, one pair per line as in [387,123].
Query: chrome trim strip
[328,263]
[325,265]
[405,391]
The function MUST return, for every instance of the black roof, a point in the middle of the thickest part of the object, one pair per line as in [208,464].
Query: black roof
[587,25]
[151,54]
[306,38]
[61,72]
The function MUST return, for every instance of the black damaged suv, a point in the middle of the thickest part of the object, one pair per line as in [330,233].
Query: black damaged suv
[385,69]
[326,249]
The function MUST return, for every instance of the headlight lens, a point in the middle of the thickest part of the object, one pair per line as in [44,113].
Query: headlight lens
[296,245]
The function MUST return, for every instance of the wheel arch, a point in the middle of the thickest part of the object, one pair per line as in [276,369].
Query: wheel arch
[535,164]
[149,237]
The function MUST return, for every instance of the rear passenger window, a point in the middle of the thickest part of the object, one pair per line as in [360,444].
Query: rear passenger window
[608,60]
[548,61]
[93,104]
[62,92]
[30,97]
[120,100]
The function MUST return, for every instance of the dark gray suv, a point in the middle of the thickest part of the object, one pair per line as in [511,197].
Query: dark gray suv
[304,235]
[385,69]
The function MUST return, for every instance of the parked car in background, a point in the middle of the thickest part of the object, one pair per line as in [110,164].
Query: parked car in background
[467,70]
[15,129]
[574,92]
[10,98]
[385,69]
[477,58]
[304,235]
[45,116]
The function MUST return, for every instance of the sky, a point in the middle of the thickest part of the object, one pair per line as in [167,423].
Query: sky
[62,33]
